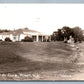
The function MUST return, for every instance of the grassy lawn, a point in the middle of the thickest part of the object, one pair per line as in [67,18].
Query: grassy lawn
[48,60]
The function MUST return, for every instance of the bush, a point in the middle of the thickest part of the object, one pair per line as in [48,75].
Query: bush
[7,39]
[46,40]
[27,39]
[0,39]
[65,41]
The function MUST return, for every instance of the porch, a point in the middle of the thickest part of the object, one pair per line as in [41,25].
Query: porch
[40,38]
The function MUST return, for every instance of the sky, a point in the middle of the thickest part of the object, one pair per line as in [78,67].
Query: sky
[44,18]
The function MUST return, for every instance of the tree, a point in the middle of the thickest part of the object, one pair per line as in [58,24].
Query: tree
[4,30]
[60,36]
[78,34]
[57,35]
[67,32]
[54,36]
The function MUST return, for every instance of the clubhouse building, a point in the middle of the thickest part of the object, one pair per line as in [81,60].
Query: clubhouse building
[19,34]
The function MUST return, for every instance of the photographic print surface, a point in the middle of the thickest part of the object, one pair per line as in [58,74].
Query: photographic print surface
[41,42]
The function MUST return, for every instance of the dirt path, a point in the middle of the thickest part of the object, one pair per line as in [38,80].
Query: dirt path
[78,59]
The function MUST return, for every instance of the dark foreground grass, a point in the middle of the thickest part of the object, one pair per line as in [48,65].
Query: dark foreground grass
[46,59]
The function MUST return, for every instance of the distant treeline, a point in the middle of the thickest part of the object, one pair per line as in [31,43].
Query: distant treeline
[4,30]
[66,32]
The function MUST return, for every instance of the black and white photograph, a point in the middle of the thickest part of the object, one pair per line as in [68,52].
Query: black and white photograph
[41,42]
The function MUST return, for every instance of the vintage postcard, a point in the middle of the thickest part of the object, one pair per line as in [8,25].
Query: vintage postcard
[41,42]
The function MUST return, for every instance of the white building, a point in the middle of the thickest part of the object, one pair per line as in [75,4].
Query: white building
[19,34]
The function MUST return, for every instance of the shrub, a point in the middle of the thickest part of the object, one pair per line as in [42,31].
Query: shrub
[27,39]
[0,39]
[46,40]
[65,41]
[7,39]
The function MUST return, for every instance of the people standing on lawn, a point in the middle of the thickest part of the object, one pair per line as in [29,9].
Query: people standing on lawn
[74,45]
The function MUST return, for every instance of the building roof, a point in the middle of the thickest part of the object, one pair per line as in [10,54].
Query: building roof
[20,31]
